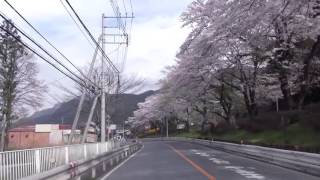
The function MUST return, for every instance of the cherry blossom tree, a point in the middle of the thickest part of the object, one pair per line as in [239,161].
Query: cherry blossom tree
[241,53]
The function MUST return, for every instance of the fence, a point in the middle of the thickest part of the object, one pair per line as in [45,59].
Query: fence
[23,163]
[94,168]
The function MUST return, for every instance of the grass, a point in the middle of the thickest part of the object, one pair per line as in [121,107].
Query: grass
[191,134]
[294,135]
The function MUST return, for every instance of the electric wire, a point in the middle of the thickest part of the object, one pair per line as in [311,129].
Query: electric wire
[38,32]
[40,47]
[41,56]
[92,38]
[74,20]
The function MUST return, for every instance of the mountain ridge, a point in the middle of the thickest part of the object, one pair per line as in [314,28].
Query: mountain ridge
[119,109]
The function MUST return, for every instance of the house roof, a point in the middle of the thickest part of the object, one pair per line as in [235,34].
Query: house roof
[32,128]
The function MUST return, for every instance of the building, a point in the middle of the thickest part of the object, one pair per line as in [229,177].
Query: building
[40,135]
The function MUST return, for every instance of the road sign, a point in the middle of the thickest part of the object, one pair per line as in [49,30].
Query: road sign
[181,126]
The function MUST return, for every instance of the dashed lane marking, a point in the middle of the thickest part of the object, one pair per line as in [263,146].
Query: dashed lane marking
[195,165]
[242,171]
[248,174]
[219,161]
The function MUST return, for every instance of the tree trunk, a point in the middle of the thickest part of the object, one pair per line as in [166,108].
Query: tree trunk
[305,77]
[188,120]
[204,118]
[282,56]
[285,89]
[3,133]
[251,106]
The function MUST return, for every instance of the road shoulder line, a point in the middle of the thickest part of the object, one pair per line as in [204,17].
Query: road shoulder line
[119,165]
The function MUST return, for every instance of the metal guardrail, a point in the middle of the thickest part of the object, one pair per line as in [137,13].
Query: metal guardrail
[304,162]
[22,163]
[93,168]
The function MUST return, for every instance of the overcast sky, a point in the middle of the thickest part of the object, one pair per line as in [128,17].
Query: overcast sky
[156,35]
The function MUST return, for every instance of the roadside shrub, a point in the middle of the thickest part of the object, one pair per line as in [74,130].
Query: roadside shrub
[221,127]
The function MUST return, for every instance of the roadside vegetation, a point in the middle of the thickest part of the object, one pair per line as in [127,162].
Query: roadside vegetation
[20,88]
[293,137]
[249,70]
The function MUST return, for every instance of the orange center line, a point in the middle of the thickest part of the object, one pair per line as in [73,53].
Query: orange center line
[195,165]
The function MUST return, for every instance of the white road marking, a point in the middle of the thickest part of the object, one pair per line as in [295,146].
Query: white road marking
[248,174]
[204,154]
[215,160]
[118,166]
[218,161]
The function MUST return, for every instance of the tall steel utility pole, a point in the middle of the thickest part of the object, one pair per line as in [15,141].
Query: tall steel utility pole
[103,95]
[104,57]
[167,128]
[118,38]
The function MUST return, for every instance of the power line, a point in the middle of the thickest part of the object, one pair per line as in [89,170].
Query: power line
[116,10]
[15,10]
[131,7]
[124,6]
[82,32]
[92,38]
[44,50]
[39,55]
[39,46]
[127,30]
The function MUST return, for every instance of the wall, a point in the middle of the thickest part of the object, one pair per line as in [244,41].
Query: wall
[55,138]
[27,140]
[13,140]
[43,135]
[41,139]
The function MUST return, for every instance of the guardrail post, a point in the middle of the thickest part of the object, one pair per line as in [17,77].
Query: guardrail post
[85,151]
[66,155]
[97,148]
[37,154]
[93,172]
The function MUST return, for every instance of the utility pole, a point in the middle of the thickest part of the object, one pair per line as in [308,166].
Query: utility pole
[167,127]
[277,103]
[62,119]
[111,39]
[124,123]
[85,133]
[76,118]
[118,39]
[103,95]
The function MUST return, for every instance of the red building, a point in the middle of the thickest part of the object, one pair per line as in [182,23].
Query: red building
[40,135]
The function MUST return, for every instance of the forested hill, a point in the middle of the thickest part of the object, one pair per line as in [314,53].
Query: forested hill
[120,110]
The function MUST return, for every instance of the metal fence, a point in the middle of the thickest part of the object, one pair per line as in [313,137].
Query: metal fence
[23,163]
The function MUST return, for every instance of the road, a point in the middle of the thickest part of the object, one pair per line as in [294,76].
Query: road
[185,161]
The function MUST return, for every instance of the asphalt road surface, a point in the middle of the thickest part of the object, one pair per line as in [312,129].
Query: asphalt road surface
[185,161]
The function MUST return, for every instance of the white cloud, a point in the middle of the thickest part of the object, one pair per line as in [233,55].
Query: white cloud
[154,45]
